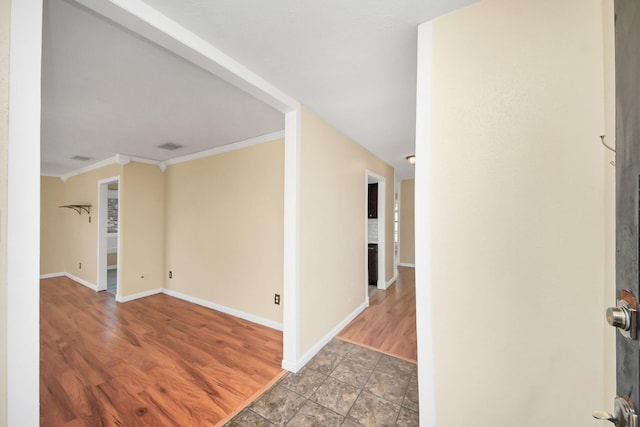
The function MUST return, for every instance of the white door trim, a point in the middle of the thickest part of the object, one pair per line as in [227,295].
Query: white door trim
[291,357]
[103,202]
[23,214]
[382,229]
[426,381]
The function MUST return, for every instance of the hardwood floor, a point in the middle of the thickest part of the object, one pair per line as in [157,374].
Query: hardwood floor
[157,361]
[160,361]
[389,323]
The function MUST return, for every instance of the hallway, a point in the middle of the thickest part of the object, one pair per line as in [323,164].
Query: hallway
[366,377]
[389,324]
[343,385]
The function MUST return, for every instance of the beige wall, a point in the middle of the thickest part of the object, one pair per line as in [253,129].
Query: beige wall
[68,239]
[4,111]
[332,226]
[112,259]
[224,228]
[217,224]
[610,200]
[140,230]
[518,225]
[81,236]
[407,229]
[53,238]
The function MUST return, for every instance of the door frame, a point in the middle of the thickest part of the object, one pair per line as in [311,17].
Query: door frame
[103,214]
[374,178]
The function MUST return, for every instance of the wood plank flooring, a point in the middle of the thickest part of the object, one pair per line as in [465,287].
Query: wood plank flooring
[389,323]
[157,361]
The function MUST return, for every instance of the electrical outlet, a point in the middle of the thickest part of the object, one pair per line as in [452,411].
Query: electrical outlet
[170,274]
[276,299]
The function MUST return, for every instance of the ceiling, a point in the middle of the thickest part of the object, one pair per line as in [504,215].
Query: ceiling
[106,90]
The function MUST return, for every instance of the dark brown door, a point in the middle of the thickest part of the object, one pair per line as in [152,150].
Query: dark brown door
[372,205]
[373,264]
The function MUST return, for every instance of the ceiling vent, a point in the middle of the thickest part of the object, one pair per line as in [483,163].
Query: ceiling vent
[81,158]
[170,146]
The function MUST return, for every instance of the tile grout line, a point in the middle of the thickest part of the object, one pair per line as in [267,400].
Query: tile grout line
[361,388]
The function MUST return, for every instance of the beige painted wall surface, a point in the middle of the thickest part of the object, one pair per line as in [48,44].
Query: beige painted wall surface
[112,259]
[332,221]
[4,117]
[224,228]
[53,237]
[518,225]
[68,239]
[389,208]
[407,225]
[610,199]
[141,229]
[80,245]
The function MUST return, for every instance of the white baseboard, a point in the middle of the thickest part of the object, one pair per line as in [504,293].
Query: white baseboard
[51,275]
[393,279]
[323,341]
[292,367]
[83,282]
[233,312]
[228,310]
[138,295]
[406,264]
[70,276]
[385,285]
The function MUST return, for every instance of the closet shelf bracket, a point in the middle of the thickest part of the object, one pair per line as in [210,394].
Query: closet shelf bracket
[79,208]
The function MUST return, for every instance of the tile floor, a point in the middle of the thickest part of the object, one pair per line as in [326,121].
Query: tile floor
[343,385]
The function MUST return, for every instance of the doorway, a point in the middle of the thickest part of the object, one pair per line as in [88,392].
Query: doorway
[108,235]
[375,234]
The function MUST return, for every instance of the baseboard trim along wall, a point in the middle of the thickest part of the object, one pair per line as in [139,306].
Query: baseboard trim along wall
[325,340]
[390,282]
[232,311]
[406,264]
[51,275]
[138,295]
[83,282]
[208,304]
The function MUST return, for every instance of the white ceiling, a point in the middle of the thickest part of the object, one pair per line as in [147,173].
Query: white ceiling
[107,90]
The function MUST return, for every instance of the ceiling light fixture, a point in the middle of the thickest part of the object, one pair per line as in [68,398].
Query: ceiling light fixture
[411,159]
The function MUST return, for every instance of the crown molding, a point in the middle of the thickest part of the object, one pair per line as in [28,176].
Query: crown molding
[226,148]
[123,159]
[106,162]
